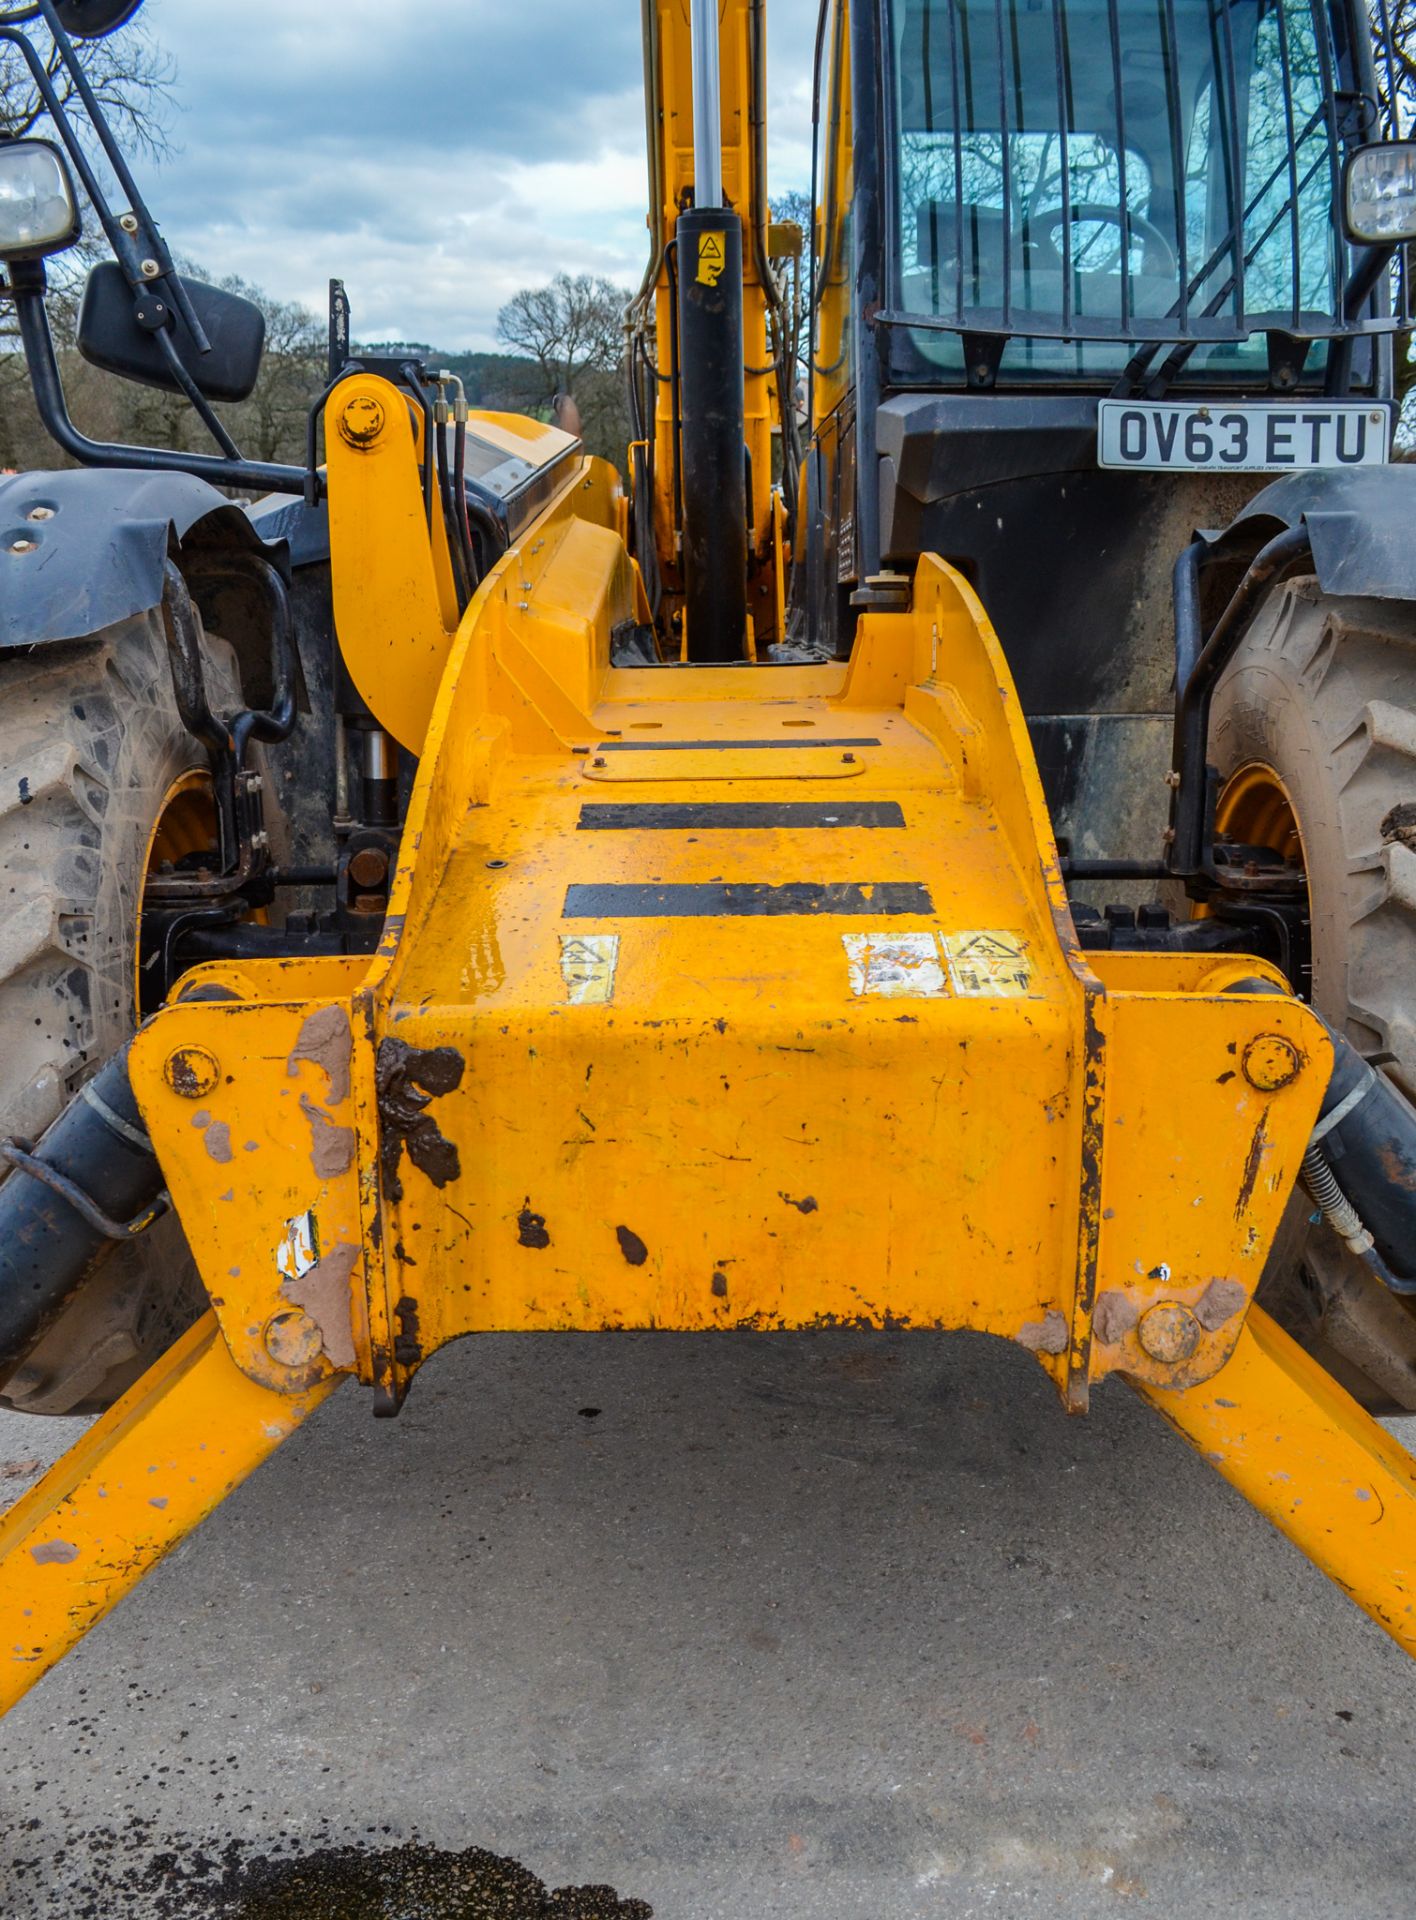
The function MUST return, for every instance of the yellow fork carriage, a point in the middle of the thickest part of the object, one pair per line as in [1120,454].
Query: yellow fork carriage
[707,999]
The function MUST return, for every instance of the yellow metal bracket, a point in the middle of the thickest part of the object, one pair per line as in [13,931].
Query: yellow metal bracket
[1278,1428]
[147,1472]
[703,1007]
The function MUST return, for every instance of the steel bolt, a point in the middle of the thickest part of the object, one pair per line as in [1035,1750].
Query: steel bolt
[362,421]
[40,513]
[293,1338]
[1270,1062]
[128,222]
[1169,1332]
[191,1072]
[22,546]
[150,269]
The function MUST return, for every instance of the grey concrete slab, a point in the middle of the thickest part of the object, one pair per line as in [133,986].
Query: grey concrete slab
[816,1627]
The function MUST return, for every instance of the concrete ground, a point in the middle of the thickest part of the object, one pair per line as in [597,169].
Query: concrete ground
[812,1627]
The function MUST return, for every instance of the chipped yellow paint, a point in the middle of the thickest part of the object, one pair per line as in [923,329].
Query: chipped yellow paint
[719,1127]
[760,1102]
[1300,1449]
[144,1474]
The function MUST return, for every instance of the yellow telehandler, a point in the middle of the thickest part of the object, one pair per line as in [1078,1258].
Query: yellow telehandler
[934,846]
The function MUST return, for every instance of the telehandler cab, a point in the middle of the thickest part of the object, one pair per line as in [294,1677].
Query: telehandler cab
[459,891]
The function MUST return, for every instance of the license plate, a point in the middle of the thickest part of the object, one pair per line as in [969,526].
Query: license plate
[1256,439]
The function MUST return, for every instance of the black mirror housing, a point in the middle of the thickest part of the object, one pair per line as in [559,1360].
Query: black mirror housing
[91,19]
[110,336]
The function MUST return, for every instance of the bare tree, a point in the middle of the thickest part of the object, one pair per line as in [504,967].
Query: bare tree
[271,424]
[131,78]
[574,330]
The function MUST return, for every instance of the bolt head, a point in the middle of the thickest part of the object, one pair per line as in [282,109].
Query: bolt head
[292,1338]
[40,513]
[22,546]
[1168,1332]
[150,269]
[191,1072]
[362,421]
[1271,1061]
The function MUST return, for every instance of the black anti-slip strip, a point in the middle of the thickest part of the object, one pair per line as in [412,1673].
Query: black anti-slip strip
[722,746]
[690,817]
[720,899]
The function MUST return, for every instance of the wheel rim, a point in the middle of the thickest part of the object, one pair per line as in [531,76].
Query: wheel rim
[186,823]
[1255,810]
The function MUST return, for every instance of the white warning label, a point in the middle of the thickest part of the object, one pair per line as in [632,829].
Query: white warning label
[299,1249]
[588,962]
[989,963]
[895,965]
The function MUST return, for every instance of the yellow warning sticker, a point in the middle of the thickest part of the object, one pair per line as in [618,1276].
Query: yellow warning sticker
[988,963]
[588,962]
[711,258]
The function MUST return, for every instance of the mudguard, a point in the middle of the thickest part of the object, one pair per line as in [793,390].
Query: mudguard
[95,552]
[1358,518]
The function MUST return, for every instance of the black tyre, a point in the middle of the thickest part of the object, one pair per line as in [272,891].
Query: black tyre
[1314,734]
[92,755]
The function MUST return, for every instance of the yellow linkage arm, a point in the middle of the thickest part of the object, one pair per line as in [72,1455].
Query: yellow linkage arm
[152,1468]
[1302,1451]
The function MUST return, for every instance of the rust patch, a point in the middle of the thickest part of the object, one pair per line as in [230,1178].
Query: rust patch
[531,1228]
[331,1146]
[1089,1214]
[631,1246]
[1114,1317]
[408,1346]
[54,1553]
[808,1205]
[327,1041]
[720,1286]
[1048,1335]
[1258,1146]
[1219,1302]
[408,1079]
[323,1293]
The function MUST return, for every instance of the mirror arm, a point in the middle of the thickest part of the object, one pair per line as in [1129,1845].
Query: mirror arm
[198,399]
[125,246]
[26,289]
[117,159]
[129,249]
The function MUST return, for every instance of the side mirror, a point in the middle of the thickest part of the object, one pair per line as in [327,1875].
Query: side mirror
[39,210]
[91,19]
[111,337]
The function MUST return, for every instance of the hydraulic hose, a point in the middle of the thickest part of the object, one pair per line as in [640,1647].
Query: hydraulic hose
[92,1181]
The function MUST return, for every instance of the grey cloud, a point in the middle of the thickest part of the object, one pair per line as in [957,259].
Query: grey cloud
[436,154]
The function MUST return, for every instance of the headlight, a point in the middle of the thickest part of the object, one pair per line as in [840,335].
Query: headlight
[38,211]
[1379,193]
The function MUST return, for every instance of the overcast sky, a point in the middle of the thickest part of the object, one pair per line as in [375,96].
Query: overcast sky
[434,154]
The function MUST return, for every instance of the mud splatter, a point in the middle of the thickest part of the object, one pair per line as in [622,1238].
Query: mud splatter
[331,1146]
[326,1041]
[408,1079]
[323,1292]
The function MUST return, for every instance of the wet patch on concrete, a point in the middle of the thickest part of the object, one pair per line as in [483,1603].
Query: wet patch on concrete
[229,1881]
